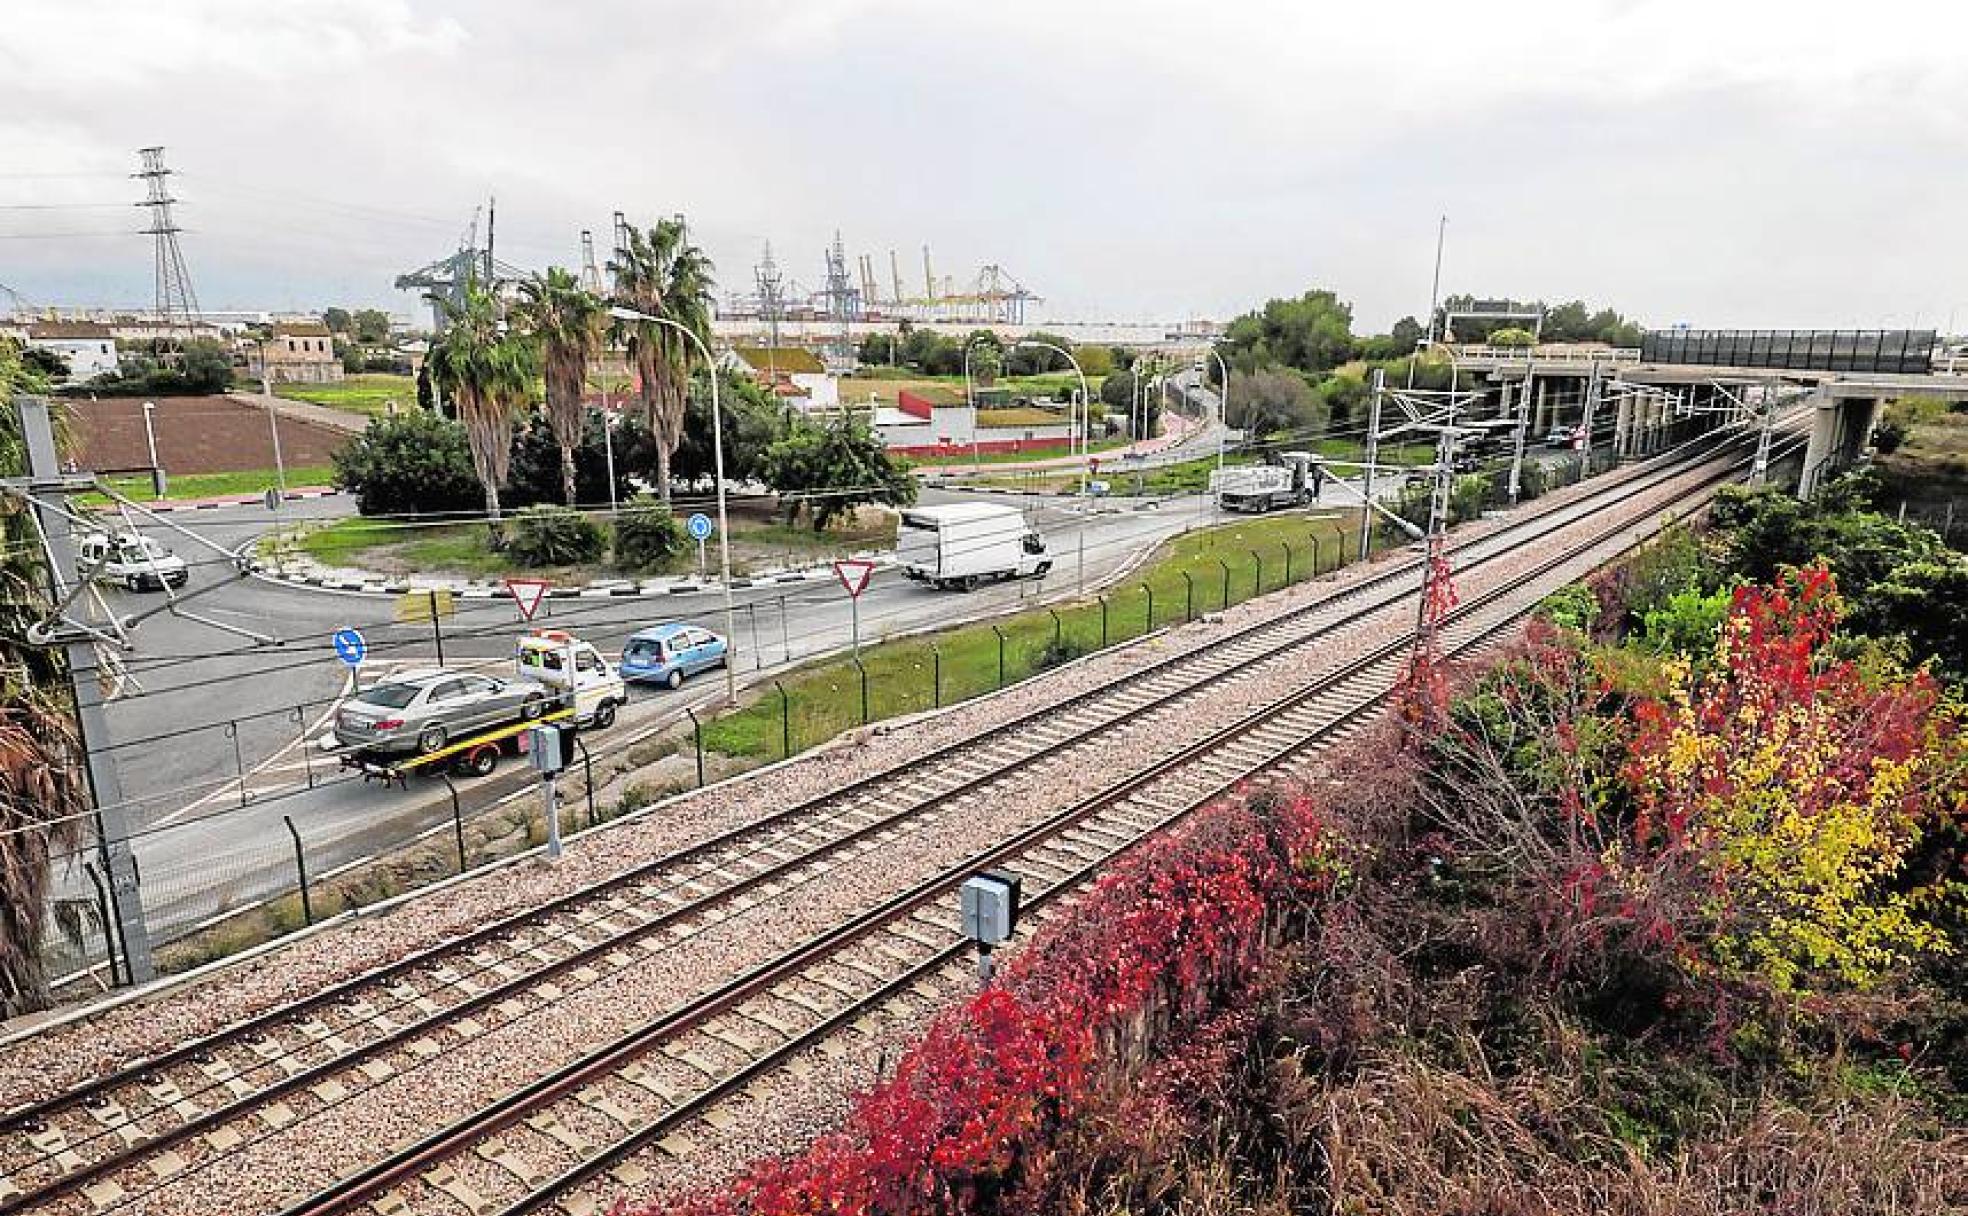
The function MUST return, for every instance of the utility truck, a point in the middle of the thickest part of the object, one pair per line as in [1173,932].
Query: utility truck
[1292,479]
[962,544]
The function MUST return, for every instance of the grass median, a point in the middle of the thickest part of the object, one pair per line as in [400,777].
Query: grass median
[185,486]
[369,393]
[1226,564]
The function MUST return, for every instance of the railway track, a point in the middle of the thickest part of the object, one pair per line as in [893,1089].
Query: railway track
[132,1132]
[523,1155]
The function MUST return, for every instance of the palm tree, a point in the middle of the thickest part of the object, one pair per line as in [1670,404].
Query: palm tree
[487,372]
[566,320]
[41,782]
[660,273]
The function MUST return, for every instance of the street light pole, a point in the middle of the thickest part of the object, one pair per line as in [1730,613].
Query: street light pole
[717,468]
[1222,404]
[150,442]
[273,422]
[1085,397]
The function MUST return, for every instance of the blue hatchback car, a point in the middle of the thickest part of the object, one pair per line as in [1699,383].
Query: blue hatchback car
[668,654]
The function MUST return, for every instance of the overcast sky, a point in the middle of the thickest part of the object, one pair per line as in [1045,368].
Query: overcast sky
[1718,163]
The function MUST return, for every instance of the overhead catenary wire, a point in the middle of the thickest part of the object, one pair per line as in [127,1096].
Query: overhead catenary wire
[1789,445]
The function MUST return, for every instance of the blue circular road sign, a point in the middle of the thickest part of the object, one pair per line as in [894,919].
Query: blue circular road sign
[350,647]
[700,526]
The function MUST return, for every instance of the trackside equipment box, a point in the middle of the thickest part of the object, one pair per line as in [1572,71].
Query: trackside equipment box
[989,902]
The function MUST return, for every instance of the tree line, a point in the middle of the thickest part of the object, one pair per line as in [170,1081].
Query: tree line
[1297,366]
[514,374]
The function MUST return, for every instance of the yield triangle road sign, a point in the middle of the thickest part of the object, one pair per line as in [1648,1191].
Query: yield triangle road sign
[527,593]
[853,575]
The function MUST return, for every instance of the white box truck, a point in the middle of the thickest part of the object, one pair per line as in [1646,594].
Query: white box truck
[962,544]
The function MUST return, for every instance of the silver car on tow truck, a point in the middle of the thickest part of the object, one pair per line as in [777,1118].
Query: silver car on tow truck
[420,712]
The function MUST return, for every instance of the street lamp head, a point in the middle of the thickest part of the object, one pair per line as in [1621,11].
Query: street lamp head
[619,313]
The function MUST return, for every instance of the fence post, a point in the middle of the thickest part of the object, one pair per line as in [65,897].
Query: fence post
[936,675]
[108,923]
[300,866]
[1188,597]
[752,612]
[1257,586]
[1150,626]
[587,776]
[1288,578]
[298,716]
[1058,627]
[1001,644]
[697,730]
[457,819]
[785,722]
[1226,582]
[785,637]
[238,759]
[1103,622]
[863,669]
[1342,551]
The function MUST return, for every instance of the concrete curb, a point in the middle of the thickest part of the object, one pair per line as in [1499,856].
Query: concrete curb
[240,500]
[473,589]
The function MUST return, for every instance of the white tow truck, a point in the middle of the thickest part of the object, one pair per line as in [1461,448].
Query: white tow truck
[542,656]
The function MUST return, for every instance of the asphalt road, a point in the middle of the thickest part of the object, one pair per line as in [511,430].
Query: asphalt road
[210,731]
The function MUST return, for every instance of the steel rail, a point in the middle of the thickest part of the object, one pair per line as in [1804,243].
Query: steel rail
[410,1161]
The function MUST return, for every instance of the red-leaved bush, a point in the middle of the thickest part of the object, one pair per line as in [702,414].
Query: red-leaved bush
[1151,954]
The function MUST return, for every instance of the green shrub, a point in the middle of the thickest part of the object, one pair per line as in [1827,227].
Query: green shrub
[552,536]
[647,536]
[1573,607]
[1061,652]
[413,464]
[1889,435]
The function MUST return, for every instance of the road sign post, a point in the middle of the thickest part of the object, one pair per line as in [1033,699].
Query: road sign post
[351,648]
[527,594]
[854,575]
[700,531]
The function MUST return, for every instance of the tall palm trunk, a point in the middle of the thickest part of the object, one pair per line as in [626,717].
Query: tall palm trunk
[649,360]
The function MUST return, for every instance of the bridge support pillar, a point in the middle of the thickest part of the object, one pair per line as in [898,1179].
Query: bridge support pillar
[1623,429]
[1840,429]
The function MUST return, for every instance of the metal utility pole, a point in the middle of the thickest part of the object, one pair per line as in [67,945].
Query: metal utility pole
[1759,472]
[1523,425]
[1585,425]
[1435,287]
[1373,450]
[590,270]
[1438,523]
[175,299]
[86,681]
[1434,298]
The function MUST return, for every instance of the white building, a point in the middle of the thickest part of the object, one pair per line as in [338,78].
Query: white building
[791,373]
[88,347]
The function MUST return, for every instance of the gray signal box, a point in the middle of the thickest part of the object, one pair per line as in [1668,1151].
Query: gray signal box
[549,747]
[989,902]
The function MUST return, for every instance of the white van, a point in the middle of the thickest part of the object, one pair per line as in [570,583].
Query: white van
[137,562]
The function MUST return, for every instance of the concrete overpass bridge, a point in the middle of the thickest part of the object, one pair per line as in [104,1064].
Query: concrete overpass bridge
[1678,382]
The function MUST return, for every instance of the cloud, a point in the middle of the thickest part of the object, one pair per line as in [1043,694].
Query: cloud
[1707,162]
